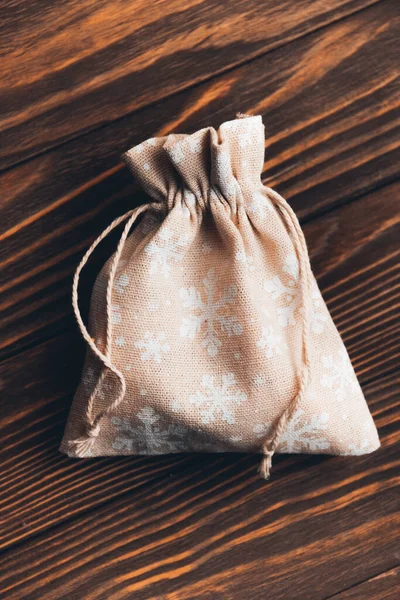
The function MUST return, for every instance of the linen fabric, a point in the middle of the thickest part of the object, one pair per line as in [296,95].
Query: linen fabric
[204,321]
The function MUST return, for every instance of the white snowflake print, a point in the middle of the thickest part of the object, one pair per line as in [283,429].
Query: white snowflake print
[194,144]
[147,437]
[339,376]
[166,250]
[258,380]
[211,313]
[259,205]
[271,342]
[121,283]
[115,314]
[223,173]
[247,130]
[318,318]
[247,261]
[301,434]
[287,294]
[153,346]
[176,153]
[89,379]
[120,341]
[140,147]
[206,248]
[218,400]
[189,198]
[262,430]
[365,445]
[153,306]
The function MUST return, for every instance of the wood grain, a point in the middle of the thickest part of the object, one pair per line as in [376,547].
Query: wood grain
[355,252]
[209,528]
[385,586]
[101,60]
[80,83]
[331,135]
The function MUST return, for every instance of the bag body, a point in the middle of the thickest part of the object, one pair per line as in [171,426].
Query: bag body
[207,330]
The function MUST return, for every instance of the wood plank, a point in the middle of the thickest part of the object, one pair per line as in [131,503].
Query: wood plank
[320,154]
[355,252]
[99,61]
[209,528]
[385,586]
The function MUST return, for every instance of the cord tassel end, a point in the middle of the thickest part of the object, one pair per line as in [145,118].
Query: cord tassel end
[266,465]
[82,447]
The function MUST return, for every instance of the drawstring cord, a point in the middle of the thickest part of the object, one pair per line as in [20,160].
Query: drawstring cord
[82,446]
[270,445]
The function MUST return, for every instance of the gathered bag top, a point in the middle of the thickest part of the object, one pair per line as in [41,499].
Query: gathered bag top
[207,331]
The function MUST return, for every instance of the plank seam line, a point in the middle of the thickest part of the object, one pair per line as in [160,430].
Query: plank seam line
[239,64]
[337,594]
[123,494]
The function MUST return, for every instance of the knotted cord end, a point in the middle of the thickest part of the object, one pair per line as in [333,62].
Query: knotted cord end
[82,447]
[266,464]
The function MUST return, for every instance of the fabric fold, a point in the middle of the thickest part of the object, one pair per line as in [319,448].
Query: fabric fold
[207,329]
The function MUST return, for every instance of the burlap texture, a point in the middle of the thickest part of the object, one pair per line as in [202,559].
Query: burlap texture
[206,317]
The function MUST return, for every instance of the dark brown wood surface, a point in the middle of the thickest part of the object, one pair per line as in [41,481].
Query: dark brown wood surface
[80,83]
[100,61]
[332,135]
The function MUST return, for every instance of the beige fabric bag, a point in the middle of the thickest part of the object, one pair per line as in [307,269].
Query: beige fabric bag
[208,332]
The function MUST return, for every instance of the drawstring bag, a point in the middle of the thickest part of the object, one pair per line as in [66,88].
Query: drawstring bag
[207,330]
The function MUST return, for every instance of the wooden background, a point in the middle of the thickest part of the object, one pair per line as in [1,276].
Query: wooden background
[82,81]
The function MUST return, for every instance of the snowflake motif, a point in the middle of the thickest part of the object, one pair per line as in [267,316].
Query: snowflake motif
[89,379]
[120,341]
[262,430]
[148,437]
[153,307]
[317,318]
[289,297]
[105,390]
[140,147]
[340,376]
[245,260]
[300,435]
[194,144]
[223,173]
[189,198]
[206,248]
[259,205]
[247,137]
[258,380]
[209,313]
[153,346]
[246,130]
[218,400]
[115,314]
[176,153]
[166,250]
[121,283]
[364,446]
[271,342]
